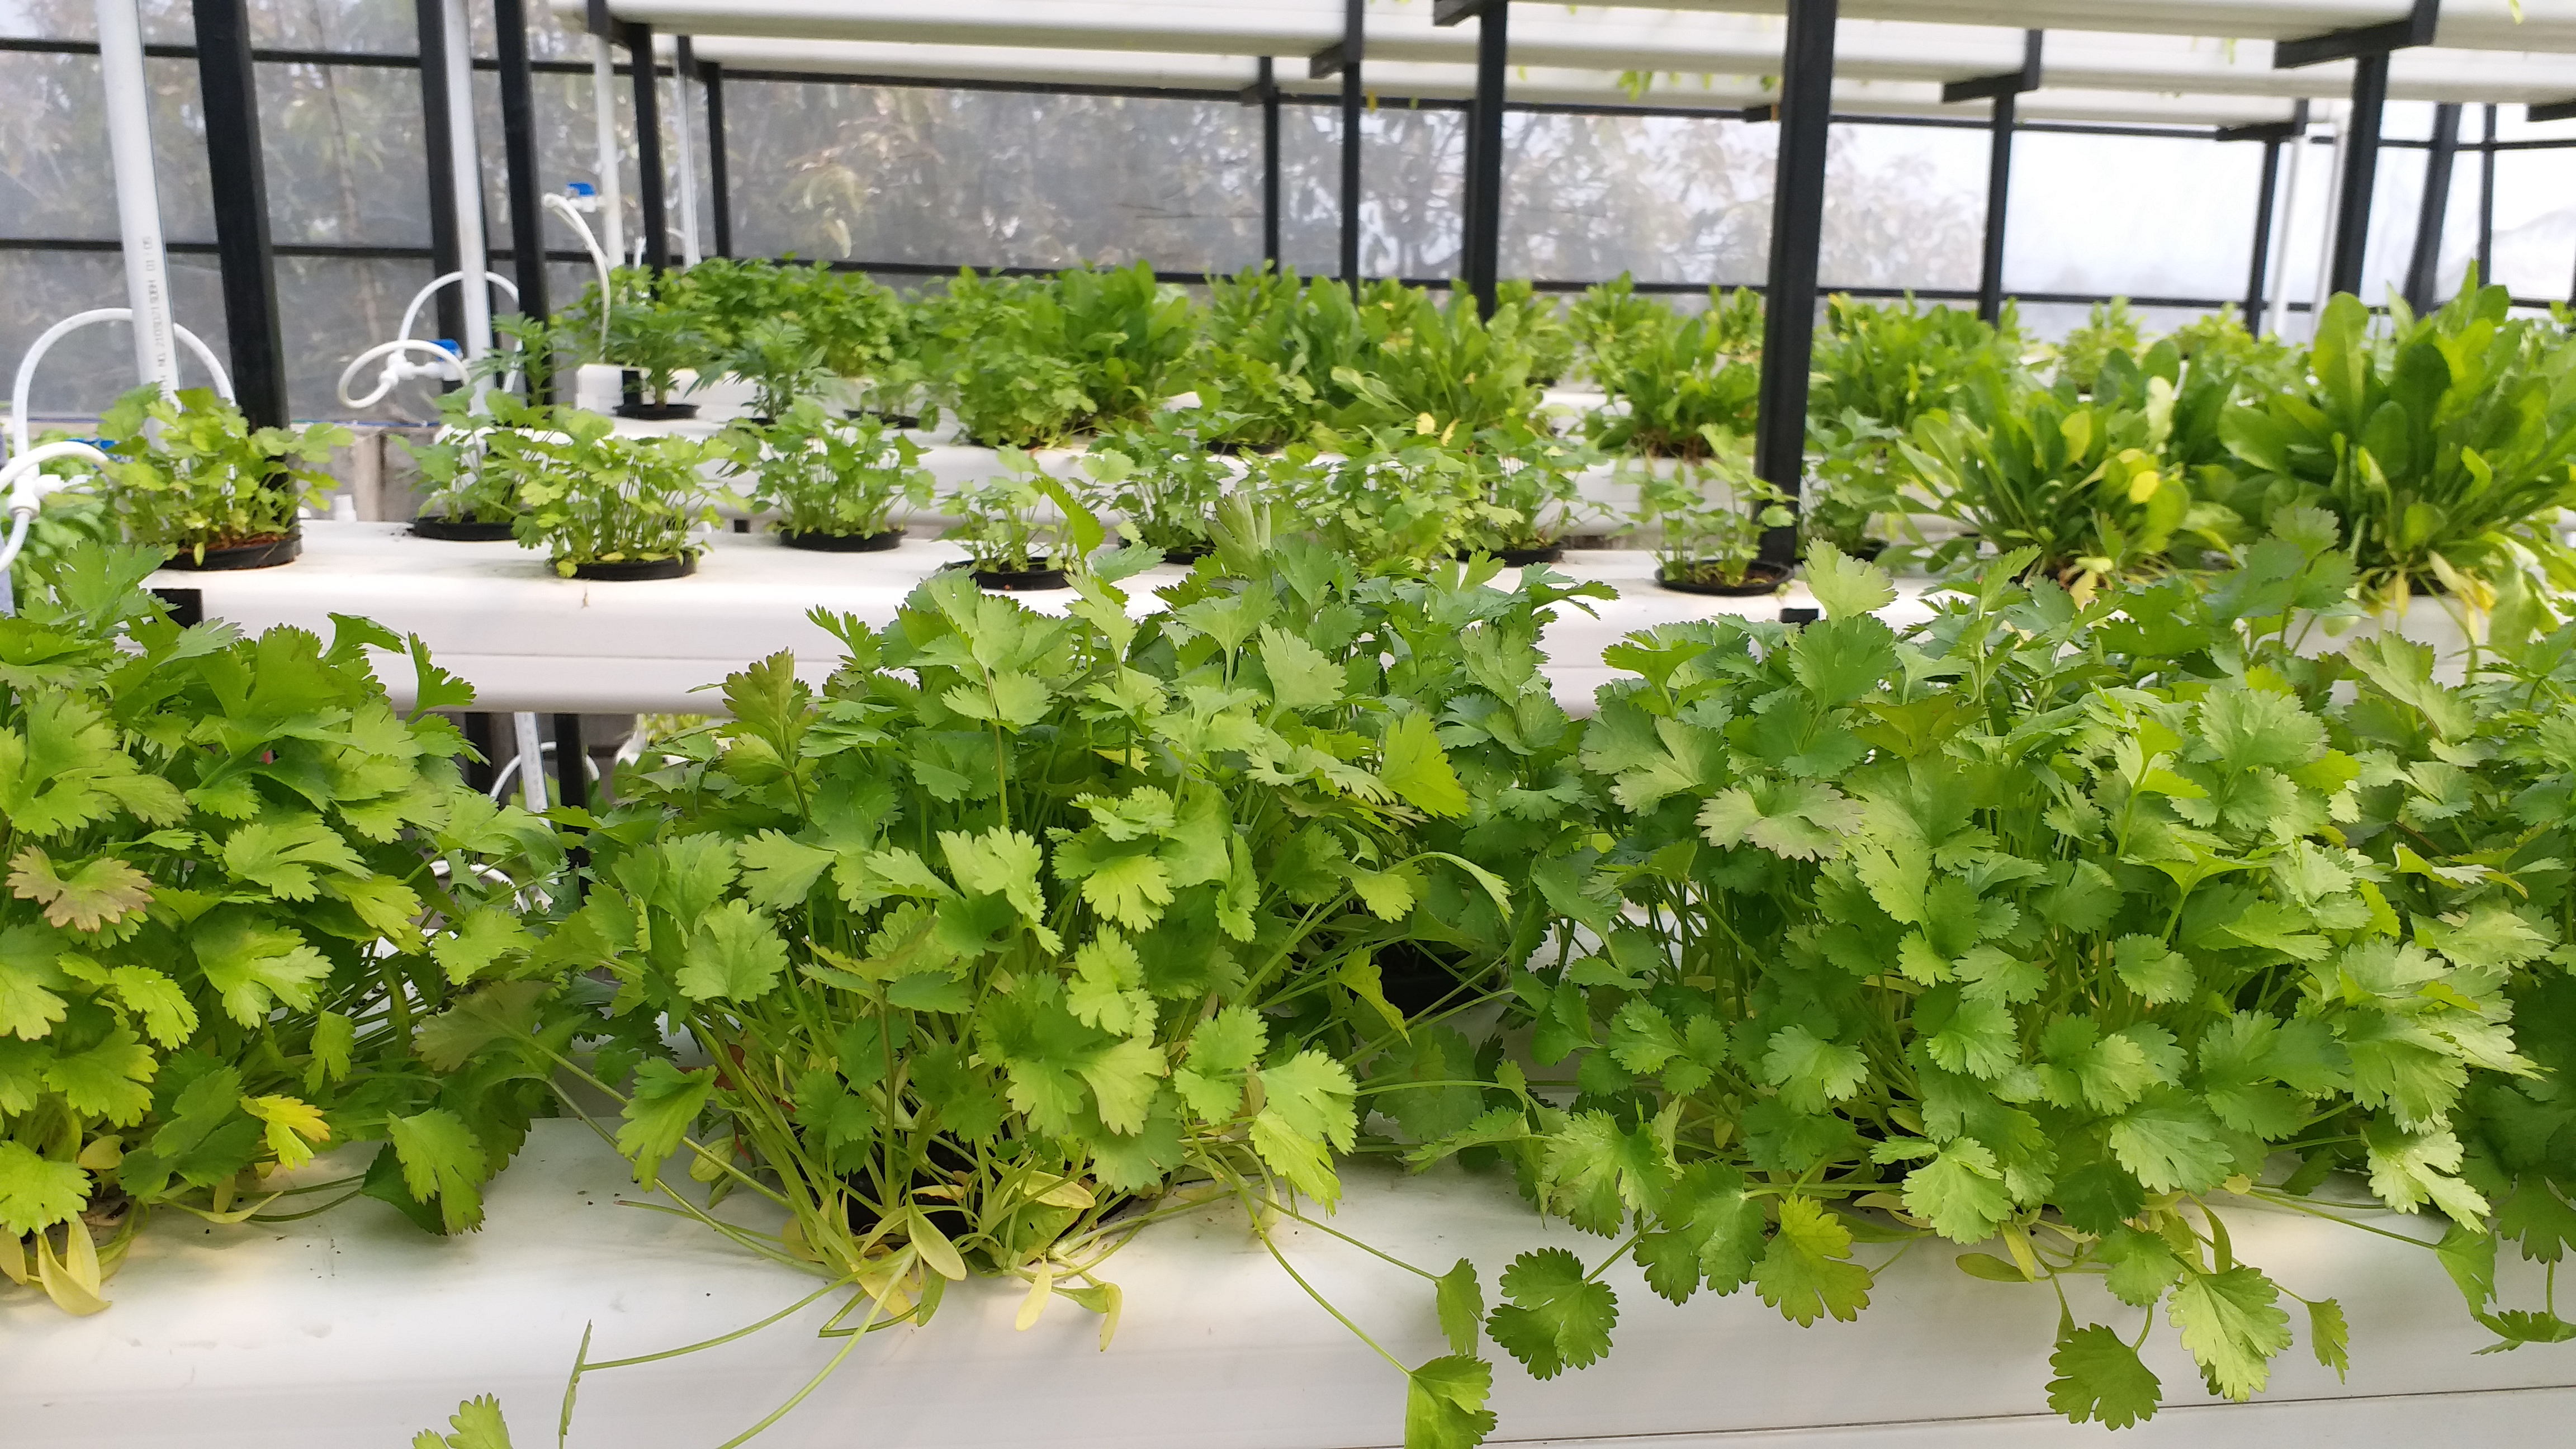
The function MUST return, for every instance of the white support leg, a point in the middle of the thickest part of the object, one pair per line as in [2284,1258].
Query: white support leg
[2334,219]
[465,160]
[138,198]
[685,154]
[2277,288]
[532,763]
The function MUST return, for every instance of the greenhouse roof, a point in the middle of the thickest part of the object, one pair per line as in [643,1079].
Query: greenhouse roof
[2548,25]
[1540,85]
[1714,41]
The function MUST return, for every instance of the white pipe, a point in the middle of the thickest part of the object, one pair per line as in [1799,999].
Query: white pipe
[442,364]
[138,198]
[2334,219]
[420,299]
[23,391]
[2277,288]
[565,207]
[603,97]
[532,763]
[25,483]
[465,161]
[686,157]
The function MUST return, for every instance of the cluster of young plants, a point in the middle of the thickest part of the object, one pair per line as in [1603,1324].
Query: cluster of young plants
[1033,361]
[247,906]
[786,329]
[464,485]
[1706,521]
[1022,520]
[828,476]
[593,498]
[1162,481]
[188,473]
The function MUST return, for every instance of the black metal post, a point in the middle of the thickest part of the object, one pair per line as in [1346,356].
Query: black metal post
[519,150]
[478,738]
[2360,173]
[240,182]
[572,776]
[2486,203]
[1990,270]
[719,173]
[1797,233]
[1354,28]
[448,309]
[1269,163]
[2426,260]
[2261,271]
[1484,229]
[648,150]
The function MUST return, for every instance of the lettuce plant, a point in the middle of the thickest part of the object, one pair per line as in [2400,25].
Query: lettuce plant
[190,473]
[243,894]
[1683,384]
[1606,322]
[2443,450]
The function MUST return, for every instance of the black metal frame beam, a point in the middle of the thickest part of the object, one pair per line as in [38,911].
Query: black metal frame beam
[429,16]
[648,149]
[239,179]
[2360,174]
[2554,111]
[2361,41]
[519,155]
[1998,87]
[2433,208]
[2486,202]
[1797,234]
[1265,94]
[719,167]
[1484,191]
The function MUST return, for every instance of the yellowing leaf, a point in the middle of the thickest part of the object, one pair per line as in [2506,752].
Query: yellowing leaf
[294,1126]
[101,892]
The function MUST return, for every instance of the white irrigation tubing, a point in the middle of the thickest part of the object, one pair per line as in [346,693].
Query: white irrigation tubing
[563,206]
[442,364]
[23,391]
[25,483]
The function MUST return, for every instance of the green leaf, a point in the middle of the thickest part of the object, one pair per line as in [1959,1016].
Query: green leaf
[169,1018]
[477,1422]
[36,1192]
[107,1080]
[2100,1378]
[734,955]
[254,965]
[1807,1271]
[281,856]
[1793,819]
[1301,675]
[1001,862]
[28,1004]
[659,1109]
[1461,1303]
[777,872]
[100,892]
[1556,1319]
[1960,1191]
[1810,1071]
[2171,1143]
[441,1159]
[2233,1324]
[2148,967]
[1415,768]
[1846,586]
[2329,1336]
[1840,660]
[1444,1404]
[484,936]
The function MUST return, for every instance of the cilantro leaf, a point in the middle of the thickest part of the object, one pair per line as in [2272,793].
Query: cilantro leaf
[2233,1324]
[1807,1272]
[735,955]
[37,1192]
[1846,586]
[1793,819]
[2329,1337]
[2099,1377]
[1557,1318]
[442,1159]
[1460,1300]
[100,892]
[1415,768]
[1444,1404]
[477,1422]
[658,1111]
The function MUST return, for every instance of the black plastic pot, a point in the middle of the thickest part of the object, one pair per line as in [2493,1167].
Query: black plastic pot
[1521,558]
[632,570]
[669,412]
[841,542]
[266,553]
[1188,555]
[891,420]
[1759,579]
[1416,977]
[1020,581]
[468,531]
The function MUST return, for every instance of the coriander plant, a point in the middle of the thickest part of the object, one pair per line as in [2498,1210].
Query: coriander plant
[595,498]
[190,473]
[823,475]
